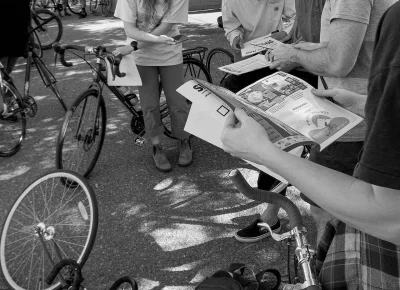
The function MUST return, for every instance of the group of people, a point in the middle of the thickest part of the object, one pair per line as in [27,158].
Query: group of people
[353,186]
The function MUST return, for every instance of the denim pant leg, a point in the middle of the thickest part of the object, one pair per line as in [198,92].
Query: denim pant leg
[8,63]
[149,94]
[172,78]
[339,156]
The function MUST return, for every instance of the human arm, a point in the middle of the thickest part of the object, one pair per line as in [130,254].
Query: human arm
[234,30]
[369,208]
[336,58]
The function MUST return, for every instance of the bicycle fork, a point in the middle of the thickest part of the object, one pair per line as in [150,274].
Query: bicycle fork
[304,256]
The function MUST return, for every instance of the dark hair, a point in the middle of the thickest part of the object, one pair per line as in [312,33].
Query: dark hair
[150,6]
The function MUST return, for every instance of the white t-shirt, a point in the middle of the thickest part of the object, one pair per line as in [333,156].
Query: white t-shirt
[134,11]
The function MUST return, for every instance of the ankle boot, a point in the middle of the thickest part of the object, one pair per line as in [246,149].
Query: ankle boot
[185,153]
[160,160]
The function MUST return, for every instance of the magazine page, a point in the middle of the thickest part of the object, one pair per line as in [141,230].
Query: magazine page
[208,114]
[247,65]
[257,45]
[289,99]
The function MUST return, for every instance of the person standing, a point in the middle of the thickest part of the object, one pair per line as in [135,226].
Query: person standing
[159,58]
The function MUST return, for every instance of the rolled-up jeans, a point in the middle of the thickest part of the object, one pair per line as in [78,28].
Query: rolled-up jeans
[171,78]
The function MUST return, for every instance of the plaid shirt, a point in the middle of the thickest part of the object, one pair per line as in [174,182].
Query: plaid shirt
[350,259]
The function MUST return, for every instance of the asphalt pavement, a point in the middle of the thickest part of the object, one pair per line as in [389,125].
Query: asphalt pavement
[166,230]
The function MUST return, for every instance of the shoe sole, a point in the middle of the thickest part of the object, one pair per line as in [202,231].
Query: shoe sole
[185,165]
[255,239]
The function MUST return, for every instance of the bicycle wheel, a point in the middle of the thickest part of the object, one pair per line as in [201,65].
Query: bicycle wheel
[93,6]
[216,58]
[13,128]
[74,6]
[49,80]
[124,283]
[82,134]
[105,7]
[36,45]
[49,32]
[65,217]
[193,68]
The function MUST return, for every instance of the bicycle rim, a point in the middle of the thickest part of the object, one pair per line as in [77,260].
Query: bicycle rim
[74,6]
[194,68]
[67,217]
[216,58]
[50,32]
[12,129]
[105,7]
[79,146]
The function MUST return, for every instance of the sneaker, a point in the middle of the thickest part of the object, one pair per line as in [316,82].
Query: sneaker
[253,233]
[160,160]
[83,14]
[186,153]
[8,116]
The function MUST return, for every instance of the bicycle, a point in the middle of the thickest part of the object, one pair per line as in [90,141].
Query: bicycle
[304,256]
[47,25]
[105,6]
[13,128]
[73,5]
[49,222]
[83,130]
[216,58]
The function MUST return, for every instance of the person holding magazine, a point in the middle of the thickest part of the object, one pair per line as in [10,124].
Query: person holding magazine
[153,23]
[305,28]
[360,248]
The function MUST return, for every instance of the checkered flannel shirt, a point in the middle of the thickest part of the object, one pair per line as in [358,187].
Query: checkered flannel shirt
[350,259]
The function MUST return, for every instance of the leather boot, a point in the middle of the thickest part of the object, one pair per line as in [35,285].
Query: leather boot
[186,153]
[160,159]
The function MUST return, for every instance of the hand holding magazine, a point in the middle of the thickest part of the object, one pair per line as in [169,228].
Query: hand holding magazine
[283,104]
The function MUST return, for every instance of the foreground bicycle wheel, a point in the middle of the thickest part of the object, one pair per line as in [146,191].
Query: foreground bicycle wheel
[13,128]
[82,134]
[50,32]
[216,58]
[48,220]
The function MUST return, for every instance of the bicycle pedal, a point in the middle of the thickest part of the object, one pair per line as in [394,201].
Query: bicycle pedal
[140,141]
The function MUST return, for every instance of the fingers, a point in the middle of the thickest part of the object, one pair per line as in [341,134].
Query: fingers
[241,115]
[325,93]
[230,121]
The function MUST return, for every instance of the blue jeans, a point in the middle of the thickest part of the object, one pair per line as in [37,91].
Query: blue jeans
[339,156]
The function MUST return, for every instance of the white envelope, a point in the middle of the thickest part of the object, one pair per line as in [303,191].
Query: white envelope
[127,66]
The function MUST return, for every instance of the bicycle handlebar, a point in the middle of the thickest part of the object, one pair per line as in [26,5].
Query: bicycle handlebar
[77,275]
[268,197]
[98,51]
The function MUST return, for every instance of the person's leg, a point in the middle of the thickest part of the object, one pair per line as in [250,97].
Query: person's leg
[150,102]
[171,79]
[8,63]
[65,5]
[83,7]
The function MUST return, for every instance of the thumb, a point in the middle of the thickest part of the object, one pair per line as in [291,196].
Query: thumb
[230,121]
[241,115]
[324,93]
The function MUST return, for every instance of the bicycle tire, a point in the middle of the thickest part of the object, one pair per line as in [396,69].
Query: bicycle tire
[49,33]
[105,7]
[12,134]
[76,138]
[50,81]
[194,68]
[216,58]
[36,45]
[124,280]
[74,6]
[72,226]
[92,6]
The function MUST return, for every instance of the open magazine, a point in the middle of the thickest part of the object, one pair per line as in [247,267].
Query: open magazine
[283,104]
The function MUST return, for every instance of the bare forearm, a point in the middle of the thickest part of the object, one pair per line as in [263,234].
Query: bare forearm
[316,61]
[368,208]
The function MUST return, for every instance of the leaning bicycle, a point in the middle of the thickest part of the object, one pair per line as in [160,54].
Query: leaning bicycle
[22,107]
[49,222]
[82,134]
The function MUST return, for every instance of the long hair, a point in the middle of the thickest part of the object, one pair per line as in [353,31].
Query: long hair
[151,6]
